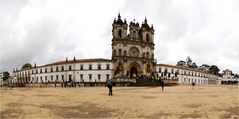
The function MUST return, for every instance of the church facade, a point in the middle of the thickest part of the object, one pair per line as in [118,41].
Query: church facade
[133,52]
[132,58]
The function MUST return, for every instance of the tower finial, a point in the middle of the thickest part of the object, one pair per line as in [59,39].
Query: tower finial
[145,21]
[119,17]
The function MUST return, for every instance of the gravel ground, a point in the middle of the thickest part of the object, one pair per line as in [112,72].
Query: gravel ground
[126,102]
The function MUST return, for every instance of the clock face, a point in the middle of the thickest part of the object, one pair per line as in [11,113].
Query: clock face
[134,52]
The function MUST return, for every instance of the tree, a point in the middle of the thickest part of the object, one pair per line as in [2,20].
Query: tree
[194,65]
[204,67]
[236,76]
[6,75]
[214,70]
[189,61]
[27,65]
[181,63]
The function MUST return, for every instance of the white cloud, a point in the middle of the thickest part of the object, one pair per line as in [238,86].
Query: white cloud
[50,30]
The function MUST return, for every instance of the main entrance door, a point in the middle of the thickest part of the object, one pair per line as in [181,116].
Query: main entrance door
[133,72]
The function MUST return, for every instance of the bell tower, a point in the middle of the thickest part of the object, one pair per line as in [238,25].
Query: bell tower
[133,53]
[119,28]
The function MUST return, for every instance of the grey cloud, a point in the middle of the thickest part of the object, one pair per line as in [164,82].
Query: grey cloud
[38,39]
[192,23]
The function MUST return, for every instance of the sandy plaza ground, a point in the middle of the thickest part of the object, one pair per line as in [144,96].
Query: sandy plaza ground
[126,102]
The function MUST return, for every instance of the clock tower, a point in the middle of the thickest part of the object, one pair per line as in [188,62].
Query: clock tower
[133,52]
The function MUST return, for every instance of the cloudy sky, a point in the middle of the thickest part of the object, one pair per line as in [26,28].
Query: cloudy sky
[45,31]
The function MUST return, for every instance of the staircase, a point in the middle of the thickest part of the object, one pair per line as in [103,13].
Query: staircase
[147,81]
[142,81]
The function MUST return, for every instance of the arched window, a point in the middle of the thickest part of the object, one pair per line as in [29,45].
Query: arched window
[125,53]
[114,53]
[120,52]
[147,55]
[134,34]
[120,33]
[143,55]
[148,68]
[147,37]
[152,56]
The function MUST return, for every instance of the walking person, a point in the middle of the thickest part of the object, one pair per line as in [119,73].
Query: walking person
[193,84]
[110,86]
[162,84]
[55,83]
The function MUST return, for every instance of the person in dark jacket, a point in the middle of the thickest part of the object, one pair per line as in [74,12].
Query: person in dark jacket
[193,84]
[110,86]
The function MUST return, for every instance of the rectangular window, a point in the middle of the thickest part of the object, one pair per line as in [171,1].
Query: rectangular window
[40,70]
[107,67]
[159,70]
[56,77]
[99,76]
[81,67]
[99,66]
[172,71]
[46,78]
[70,68]
[51,78]
[36,71]
[62,77]
[107,76]
[62,68]
[81,76]
[45,70]
[51,69]
[90,66]
[70,77]
[56,68]
[90,77]
[32,72]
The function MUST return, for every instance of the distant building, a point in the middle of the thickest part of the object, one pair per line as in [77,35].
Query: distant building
[204,68]
[185,75]
[229,78]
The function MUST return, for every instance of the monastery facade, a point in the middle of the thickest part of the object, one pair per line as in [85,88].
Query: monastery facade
[132,59]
